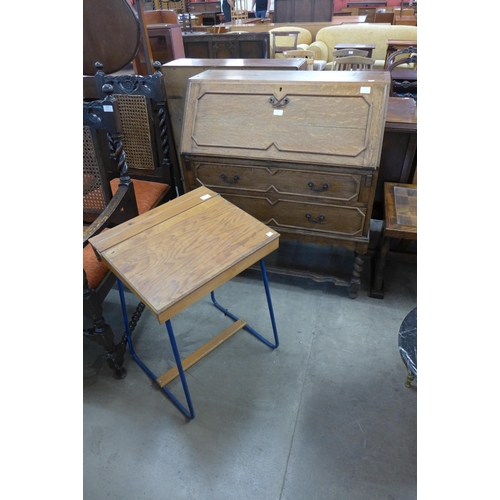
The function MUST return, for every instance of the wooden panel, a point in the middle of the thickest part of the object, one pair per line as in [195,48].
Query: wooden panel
[299,11]
[227,45]
[166,45]
[283,213]
[110,35]
[308,117]
[290,181]
[178,72]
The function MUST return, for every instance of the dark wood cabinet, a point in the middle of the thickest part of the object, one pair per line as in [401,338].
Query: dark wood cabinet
[298,150]
[295,11]
[226,45]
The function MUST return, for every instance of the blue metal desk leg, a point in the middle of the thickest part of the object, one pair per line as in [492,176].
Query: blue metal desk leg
[248,328]
[188,413]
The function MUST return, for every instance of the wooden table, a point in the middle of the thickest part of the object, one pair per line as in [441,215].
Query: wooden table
[175,254]
[357,46]
[400,222]
[405,20]
[399,148]
[240,22]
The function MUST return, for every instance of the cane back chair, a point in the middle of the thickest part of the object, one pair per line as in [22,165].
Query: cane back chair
[106,204]
[147,134]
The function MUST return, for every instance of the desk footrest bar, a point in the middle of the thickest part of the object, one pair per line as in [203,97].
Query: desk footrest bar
[193,358]
[248,328]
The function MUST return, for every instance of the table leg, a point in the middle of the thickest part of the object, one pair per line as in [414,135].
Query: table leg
[409,379]
[180,368]
[188,413]
[247,327]
[377,285]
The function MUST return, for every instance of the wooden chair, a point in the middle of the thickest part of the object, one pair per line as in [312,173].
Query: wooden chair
[407,56]
[106,204]
[307,54]
[239,10]
[349,52]
[146,130]
[352,63]
[291,41]
[403,81]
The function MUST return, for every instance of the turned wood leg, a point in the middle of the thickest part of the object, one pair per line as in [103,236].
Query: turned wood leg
[378,280]
[102,333]
[356,276]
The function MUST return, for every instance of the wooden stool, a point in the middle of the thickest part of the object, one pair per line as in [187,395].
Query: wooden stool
[400,222]
[175,254]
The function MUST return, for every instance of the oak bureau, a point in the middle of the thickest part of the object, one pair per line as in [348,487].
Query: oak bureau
[299,151]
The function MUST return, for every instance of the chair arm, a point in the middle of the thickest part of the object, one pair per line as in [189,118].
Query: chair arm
[320,50]
[120,199]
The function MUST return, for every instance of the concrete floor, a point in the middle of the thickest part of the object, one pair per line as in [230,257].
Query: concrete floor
[324,416]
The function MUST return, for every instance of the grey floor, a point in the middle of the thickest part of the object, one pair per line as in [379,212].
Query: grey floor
[324,416]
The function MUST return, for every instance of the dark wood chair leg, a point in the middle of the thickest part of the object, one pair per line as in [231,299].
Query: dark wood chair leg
[102,333]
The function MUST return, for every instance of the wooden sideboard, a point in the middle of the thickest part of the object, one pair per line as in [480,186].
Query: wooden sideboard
[226,45]
[298,150]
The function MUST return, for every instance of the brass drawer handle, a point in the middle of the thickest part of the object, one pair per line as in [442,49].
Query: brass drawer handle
[236,178]
[311,185]
[321,218]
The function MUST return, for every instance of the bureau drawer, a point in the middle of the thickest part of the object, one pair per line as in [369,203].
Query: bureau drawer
[314,217]
[287,181]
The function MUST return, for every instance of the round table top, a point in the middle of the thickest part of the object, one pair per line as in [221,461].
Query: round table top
[407,341]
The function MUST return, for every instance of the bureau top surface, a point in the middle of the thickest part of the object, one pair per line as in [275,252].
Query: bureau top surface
[259,76]
[171,252]
[231,63]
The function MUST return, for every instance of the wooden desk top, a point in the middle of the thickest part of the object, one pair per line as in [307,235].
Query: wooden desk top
[175,254]
[409,20]
[401,114]
[240,22]
[401,43]
[400,210]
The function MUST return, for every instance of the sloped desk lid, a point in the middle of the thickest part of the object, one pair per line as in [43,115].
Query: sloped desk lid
[327,117]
